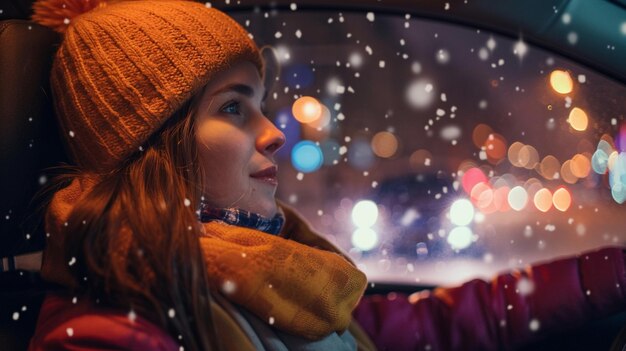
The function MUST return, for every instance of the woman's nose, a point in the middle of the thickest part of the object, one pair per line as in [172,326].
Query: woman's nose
[270,138]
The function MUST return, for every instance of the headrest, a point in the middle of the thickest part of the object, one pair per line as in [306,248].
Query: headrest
[29,137]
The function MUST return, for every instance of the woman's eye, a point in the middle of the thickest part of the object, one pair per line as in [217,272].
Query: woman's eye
[231,108]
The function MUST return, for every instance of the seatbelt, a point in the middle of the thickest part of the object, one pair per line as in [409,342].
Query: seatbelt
[26,262]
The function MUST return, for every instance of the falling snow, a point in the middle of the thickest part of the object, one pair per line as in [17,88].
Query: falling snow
[534,325]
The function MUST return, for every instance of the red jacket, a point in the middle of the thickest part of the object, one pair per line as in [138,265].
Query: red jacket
[475,316]
[493,315]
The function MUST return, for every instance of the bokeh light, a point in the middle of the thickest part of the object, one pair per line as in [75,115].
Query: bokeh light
[605,144]
[364,213]
[578,119]
[566,173]
[323,120]
[472,177]
[495,147]
[461,212]
[306,156]
[307,109]
[549,167]
[450,132]
[612,160]
[420,94]
[618,192]
[543,200]
[364,239]
[561,82]
[480,134]
[420,159]
[384,144]
[528,157]
[514,154]
[580,166]
[460,237]
[617,177]
[482,196]
[562,199]
[599,161]
[518,198]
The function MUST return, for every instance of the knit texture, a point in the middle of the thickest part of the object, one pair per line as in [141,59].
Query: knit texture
[125,67]
[309,291]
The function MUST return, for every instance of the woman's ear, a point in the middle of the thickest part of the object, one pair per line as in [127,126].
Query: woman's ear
[271,67]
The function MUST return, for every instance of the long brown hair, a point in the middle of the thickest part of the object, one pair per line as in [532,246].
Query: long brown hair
[134,236]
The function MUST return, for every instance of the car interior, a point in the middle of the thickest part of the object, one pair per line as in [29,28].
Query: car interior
[31,146]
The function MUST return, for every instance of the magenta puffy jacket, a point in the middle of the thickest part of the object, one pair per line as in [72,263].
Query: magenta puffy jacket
[493,315]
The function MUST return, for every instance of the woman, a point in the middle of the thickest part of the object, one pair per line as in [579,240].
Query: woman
[168,235]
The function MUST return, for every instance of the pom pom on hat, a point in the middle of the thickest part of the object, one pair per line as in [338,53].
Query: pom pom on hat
[57,14]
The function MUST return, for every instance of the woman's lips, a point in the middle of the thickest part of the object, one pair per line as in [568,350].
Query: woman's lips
[267,175]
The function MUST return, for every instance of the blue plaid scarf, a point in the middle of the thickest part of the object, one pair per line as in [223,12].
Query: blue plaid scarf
[242,218]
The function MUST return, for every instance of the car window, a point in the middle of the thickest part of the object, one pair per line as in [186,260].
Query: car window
[434,153]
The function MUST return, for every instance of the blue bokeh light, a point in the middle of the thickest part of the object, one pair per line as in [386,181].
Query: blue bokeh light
[306,156]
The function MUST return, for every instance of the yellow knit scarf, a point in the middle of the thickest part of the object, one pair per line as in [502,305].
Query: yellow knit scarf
[297,281]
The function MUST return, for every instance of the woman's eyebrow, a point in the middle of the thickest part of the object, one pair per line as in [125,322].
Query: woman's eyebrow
[242,89]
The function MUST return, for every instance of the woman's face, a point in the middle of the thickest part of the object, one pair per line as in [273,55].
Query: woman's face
[237,142]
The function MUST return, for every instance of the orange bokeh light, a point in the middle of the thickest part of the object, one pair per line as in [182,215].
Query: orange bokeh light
[495,147]
[561,81]
[566,173]
[549,167]
[543,200]
[528,157]
[480,134]
[384,144]
[562,199]
[514,154]
[420,159]
[578,119]
[307,109]
[580,166]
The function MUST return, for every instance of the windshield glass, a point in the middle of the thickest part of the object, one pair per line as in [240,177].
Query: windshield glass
[434,153]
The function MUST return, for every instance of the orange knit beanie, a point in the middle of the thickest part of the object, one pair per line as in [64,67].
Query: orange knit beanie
[124,67]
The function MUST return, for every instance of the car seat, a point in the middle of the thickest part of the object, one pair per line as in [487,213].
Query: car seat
[29,144]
